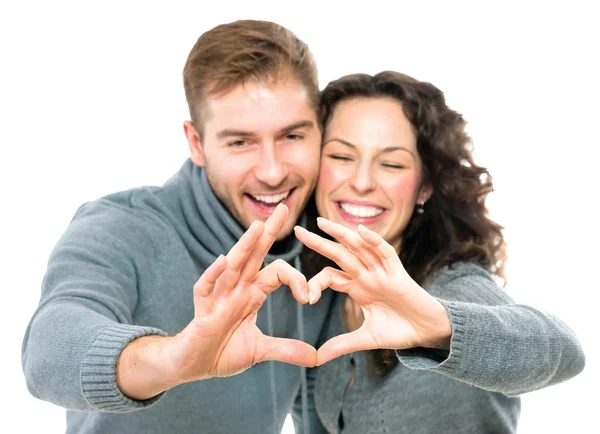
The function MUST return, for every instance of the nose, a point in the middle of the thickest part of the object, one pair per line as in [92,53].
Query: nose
[362,179]
[271,169]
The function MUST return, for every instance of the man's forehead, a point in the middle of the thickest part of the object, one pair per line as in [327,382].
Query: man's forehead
[257,94]
[260,108]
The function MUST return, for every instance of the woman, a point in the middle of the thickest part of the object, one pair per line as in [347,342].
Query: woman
[418,264]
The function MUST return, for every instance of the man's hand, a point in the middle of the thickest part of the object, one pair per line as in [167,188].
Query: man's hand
[223,338]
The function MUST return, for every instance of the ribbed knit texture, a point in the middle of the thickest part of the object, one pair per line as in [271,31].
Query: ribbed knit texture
[98,369]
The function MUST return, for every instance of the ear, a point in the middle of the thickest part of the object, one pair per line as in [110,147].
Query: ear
[196,151]
[425,192]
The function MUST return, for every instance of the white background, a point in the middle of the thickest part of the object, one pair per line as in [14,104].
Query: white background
[91,102]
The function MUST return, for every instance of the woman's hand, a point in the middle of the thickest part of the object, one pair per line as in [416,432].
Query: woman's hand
[398,313]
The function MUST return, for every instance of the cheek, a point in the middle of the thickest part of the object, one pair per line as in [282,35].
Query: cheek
[403,189]
[329,178]
[234,172]
[304,158]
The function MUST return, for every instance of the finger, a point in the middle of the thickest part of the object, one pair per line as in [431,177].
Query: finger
[352,240]
[339,254]
[205,285]
[328,278]
[389,256]
[277,272]
[239,253]
[238,256]
[358,340]
[272,227]
[286,350]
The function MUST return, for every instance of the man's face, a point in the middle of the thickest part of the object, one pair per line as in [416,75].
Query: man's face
[261,147]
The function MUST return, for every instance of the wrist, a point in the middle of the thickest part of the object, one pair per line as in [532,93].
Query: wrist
[142,371]
[441,333]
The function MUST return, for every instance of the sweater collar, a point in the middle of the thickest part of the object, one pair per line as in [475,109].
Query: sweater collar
[210,221]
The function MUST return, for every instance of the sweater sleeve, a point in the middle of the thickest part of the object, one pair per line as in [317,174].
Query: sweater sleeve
[496,344]
[84,318]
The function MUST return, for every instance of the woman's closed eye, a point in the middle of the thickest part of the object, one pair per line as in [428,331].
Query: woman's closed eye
[395,166]
[340,157]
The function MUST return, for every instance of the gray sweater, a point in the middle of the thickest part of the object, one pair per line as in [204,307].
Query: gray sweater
[126,267]
[498,350]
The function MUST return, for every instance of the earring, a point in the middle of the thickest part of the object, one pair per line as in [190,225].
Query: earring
[420,208]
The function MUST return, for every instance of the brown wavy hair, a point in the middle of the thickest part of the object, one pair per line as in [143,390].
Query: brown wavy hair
[454,225]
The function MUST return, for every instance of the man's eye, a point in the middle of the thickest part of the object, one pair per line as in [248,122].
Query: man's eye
[237,144]
[294,137]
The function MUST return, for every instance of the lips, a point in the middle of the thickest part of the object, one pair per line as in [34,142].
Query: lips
[360,212]
[270,199]
[265,204]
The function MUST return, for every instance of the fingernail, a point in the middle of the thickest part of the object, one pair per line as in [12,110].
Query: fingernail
[322,220]
[310,297]
[301,289]
[305,295]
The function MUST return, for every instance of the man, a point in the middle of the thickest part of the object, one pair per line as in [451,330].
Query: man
[118,323]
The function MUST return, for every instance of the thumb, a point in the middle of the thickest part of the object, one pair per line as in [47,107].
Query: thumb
[337,346]
[285,350]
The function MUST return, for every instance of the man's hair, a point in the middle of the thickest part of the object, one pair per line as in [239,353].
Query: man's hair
[236,53]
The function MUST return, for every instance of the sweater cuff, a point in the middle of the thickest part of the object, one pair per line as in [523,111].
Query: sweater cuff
[429,359]
[98,370]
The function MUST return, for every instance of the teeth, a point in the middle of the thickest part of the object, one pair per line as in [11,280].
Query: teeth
[271,198]
[360,211]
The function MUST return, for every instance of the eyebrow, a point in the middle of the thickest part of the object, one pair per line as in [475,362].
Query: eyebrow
[231,132]
[386,149]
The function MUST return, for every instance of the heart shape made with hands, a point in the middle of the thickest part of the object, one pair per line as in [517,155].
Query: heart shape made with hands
[397,312]
[223,338]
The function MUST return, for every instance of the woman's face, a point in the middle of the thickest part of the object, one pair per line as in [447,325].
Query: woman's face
[370,168]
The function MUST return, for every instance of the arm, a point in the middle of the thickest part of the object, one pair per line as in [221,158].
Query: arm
[222,339]
[84,318]
[82,352]
[496,344]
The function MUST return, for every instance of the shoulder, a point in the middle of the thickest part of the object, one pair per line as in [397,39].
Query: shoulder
[140,205]
[129,218]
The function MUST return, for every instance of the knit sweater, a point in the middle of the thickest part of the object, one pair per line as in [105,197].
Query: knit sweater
[498,350]
[125,268]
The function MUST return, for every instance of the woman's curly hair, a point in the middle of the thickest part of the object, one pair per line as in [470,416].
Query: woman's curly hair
[454,225]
